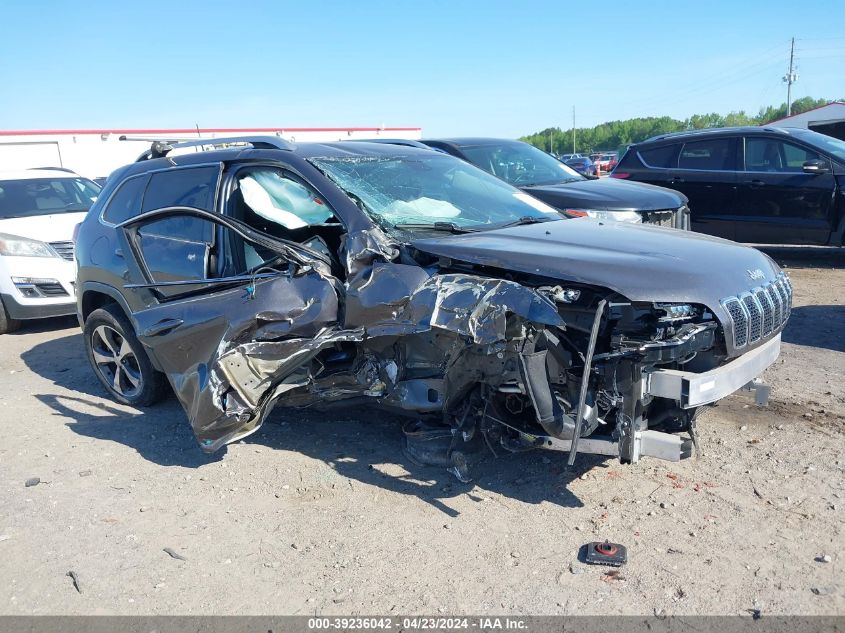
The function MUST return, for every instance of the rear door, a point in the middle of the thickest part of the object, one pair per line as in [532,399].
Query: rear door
[228,342]
[777,202]
[706,174]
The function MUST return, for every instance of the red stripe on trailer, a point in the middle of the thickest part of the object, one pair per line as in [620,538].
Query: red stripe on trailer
[194,130]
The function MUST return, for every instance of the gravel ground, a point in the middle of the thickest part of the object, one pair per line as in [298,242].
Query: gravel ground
[323,514]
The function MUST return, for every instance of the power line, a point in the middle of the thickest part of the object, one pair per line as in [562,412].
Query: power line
[749,66]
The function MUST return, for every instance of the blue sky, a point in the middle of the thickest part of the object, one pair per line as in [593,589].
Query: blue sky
[454,68]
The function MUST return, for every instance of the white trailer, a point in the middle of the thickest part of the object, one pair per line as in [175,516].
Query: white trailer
[827,119]
[96,153]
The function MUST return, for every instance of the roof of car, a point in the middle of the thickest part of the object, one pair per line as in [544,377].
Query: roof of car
[341,149]
[31,174]
[747,129]
[472,140]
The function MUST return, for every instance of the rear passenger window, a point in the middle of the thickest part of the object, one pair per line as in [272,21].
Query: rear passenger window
[194,187]
[126,202]
[665,157]
[716,154]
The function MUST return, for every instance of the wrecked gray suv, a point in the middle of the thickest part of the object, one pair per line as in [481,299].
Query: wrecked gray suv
[269,274]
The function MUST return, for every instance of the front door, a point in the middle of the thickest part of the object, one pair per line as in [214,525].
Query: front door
[229,338]
[778,203]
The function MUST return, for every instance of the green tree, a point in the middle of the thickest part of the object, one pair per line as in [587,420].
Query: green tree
[617,135]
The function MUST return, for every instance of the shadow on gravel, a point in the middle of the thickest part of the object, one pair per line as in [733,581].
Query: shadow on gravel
[160,435]
[806,256]
[361,444]
[364,444]
[817,326]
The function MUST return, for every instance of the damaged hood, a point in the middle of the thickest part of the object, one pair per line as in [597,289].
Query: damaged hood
[608,194]
[641,262]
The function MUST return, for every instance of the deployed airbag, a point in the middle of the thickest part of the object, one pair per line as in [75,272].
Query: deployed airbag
[282,200]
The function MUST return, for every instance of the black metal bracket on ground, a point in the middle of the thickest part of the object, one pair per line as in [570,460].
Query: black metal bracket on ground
[585,382]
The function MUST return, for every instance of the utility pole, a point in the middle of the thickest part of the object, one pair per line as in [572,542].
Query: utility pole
[790,78]
[573,129]
[551,149]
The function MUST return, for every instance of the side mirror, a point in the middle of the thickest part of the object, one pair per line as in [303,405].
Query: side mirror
[816,166]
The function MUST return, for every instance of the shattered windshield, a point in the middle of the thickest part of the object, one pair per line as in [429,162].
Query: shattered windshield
[422,189]
[520,164]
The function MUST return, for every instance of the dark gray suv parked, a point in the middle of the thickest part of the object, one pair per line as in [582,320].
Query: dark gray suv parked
[330,274]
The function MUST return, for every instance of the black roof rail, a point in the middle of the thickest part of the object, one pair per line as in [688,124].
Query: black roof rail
[714,130]
[160,149]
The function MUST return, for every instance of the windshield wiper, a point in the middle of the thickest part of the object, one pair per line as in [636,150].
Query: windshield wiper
[526,219]
[449,227]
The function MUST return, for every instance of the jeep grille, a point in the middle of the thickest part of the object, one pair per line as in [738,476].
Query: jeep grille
[758,314]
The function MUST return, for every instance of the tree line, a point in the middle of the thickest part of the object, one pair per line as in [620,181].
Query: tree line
[615,135]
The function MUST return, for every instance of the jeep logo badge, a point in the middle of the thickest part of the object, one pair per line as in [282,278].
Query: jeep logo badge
[755,274]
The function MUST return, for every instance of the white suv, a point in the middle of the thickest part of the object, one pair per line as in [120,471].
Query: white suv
[39,209]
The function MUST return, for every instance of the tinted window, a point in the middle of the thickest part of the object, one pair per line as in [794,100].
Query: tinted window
[711,154]
[176,248]
[182,188]
[126,202]
[665,157]
[767,154]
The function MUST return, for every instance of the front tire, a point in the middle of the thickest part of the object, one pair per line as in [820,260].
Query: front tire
[119,359]
[7,323]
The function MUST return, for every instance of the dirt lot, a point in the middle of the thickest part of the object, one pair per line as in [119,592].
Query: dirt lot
[323,514]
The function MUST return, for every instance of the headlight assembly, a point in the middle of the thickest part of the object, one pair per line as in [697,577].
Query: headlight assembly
[598,214]
[676,311]
[16,246]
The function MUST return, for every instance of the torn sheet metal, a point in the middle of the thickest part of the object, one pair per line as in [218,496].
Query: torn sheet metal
[214,326]
[361,248]
[398,299]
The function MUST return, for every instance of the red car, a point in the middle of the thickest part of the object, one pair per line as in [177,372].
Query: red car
[607,161]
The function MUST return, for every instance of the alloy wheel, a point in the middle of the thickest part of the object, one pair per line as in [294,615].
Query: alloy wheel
[116,362]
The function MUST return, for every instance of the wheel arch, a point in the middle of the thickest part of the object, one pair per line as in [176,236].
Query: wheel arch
[94,295]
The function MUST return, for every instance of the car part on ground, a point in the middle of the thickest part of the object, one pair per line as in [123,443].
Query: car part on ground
[761,185]
[416,282]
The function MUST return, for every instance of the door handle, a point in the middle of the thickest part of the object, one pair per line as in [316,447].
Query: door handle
[755,183]
[162,327]
[676,180]
[118,253]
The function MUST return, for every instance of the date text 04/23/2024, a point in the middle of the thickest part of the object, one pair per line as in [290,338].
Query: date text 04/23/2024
[416,623]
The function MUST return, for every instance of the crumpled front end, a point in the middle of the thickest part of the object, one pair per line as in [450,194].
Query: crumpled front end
[502,361]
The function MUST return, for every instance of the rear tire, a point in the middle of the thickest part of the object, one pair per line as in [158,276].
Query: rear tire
[119,360]
[7,323]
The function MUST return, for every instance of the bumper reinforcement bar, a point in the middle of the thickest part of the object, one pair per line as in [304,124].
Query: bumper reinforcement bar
[693,390]
[666,446]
